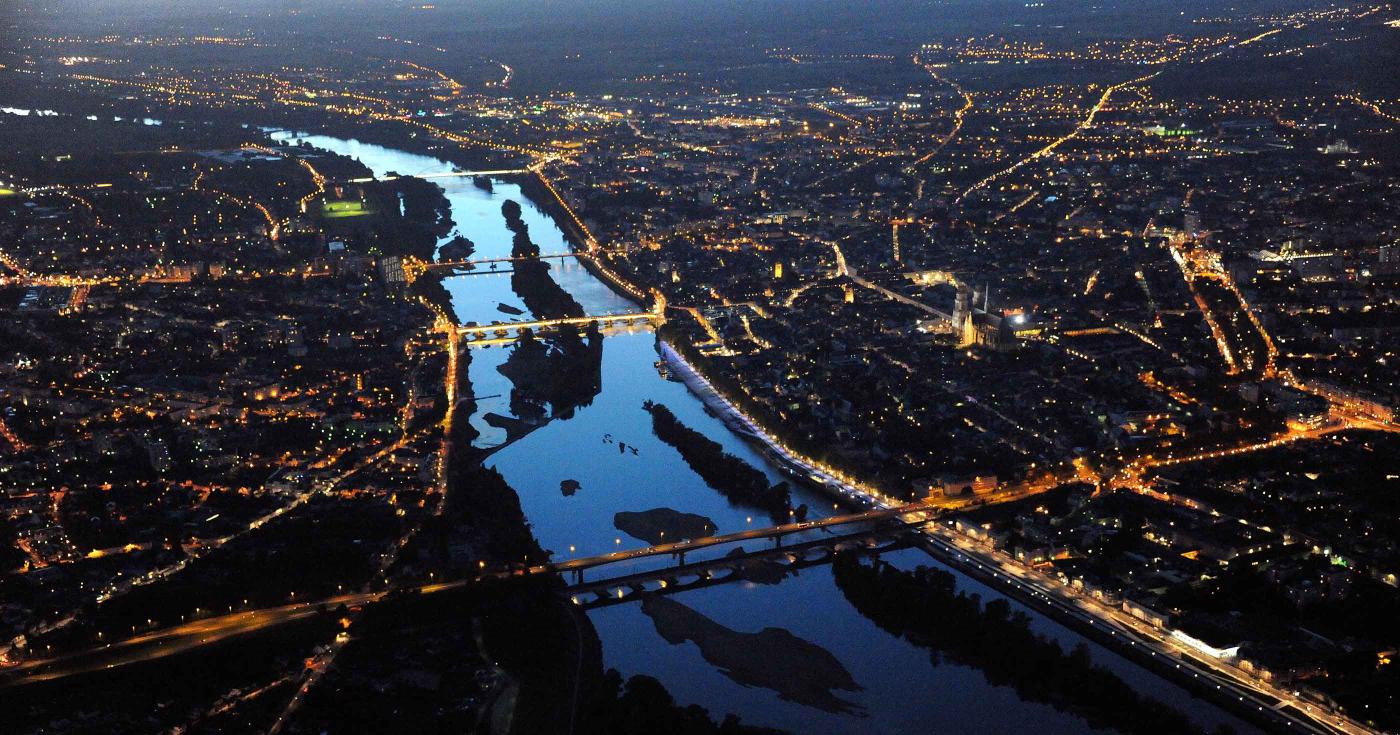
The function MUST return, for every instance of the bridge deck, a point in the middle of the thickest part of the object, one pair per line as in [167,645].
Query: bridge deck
[439,175]
[699,566]
[504,259]
[568,321]
[669,580]
[773,532]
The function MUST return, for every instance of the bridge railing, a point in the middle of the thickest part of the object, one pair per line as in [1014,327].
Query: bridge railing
[482,329]
[917,514]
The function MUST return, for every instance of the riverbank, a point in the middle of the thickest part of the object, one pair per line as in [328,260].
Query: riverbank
[926,607]
[735,479]
[848,492]
[740,423]
[534,189]
[1146,653]
[1197,681]
[627,482]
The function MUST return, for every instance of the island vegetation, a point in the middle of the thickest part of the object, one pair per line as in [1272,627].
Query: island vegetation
[521,244]
[541,294]
[734,478]
[458,248]
[925,607]
[563,372]
[773,658]
[663,525]
[399,216]
[530,276]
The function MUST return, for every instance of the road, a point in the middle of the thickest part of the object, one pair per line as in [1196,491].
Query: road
[174,640]
[773,532]
[1085,124]
[1305,717]
[568,321]
[1042,590]
[201,548]
[190,635]
[958,115]
[844,269]
[484,261]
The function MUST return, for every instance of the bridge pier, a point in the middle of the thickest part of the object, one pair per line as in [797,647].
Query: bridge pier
[868,540]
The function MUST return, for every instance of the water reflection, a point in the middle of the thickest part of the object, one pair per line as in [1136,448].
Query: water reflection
[562,372]
[565,416]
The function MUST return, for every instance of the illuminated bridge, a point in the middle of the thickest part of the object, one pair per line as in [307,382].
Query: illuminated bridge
[884,530]
[906,516]
[502,328]
[470,264]
[737,566]
[446,175]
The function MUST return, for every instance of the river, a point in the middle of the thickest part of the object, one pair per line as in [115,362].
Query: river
[606,445]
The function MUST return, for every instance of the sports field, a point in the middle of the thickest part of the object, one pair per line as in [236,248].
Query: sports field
[342,209]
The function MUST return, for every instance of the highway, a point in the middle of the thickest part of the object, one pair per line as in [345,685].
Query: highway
[1373,107]
[193,634]
[487,261]
[171,641]
[732,567]
[190,635]
[1229,681]
[958,115]
[1085,124]
[774,533]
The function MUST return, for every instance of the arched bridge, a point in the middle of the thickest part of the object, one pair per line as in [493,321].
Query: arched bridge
[473,263]
[903,517]
[501,328]
[740,565]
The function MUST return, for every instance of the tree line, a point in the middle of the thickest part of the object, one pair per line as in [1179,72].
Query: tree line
[734,478]
[925,607]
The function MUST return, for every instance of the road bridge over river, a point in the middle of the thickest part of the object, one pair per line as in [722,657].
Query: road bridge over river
[890,525]
[737,566]
[471,331]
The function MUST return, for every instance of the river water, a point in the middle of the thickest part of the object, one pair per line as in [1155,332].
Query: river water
[901,690]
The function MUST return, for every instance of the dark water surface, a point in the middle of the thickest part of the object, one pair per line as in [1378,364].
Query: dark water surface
[898,687]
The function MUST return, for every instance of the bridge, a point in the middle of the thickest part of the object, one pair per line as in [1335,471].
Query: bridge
[470,264]
[897,519]
[413,267]
[444,175]
[195,633]
[917,513]
[606,330]
[736,566]
[502,328]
